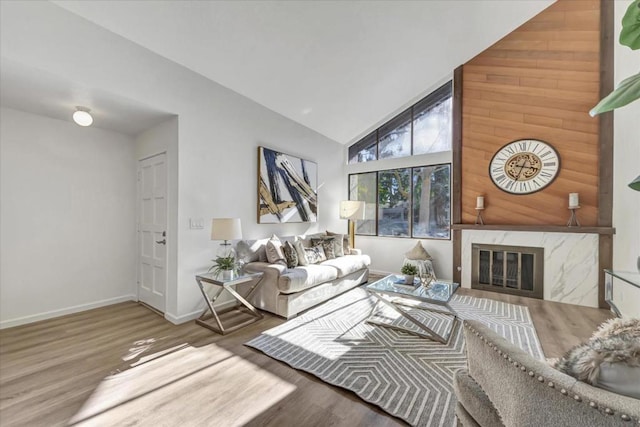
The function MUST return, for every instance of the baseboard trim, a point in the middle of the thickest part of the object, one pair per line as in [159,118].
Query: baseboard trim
[177,320]
[64,311]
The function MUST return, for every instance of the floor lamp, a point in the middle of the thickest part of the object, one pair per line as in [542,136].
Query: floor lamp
[352,210]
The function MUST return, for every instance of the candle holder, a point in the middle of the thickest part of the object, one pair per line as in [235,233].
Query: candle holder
[573,220]
[479,220]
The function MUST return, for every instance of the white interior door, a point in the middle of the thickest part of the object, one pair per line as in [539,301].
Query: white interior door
[152,235]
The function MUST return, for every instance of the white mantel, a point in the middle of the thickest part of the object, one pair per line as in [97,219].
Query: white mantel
[570,261]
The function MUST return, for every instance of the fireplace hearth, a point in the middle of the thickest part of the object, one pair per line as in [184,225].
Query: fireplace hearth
[516,270]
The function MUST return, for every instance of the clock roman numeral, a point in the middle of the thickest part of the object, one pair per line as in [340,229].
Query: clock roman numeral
[510,150]
[545,154]
[496,169]
[549,164]
[545,174]
[500,178]
[523,146]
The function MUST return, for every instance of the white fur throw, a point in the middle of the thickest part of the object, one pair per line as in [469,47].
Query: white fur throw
[615,341]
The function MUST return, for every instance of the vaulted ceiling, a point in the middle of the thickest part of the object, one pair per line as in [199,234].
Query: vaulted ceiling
[338,67]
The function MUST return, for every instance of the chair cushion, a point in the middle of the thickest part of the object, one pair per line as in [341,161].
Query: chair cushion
[348,264]
[305,277]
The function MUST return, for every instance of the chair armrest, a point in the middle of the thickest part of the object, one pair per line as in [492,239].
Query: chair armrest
[528,392]
[355,252]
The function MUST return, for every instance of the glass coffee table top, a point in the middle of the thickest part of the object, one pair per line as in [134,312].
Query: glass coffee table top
[438,291]
[423,310]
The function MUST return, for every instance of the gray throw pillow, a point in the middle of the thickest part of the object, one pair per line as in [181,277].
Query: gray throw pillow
[346,249]
[290,254]
[327,244]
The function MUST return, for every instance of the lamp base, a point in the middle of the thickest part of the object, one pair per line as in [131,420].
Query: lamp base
[225,250]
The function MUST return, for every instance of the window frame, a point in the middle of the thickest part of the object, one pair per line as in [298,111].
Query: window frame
[411,198]
[437,96]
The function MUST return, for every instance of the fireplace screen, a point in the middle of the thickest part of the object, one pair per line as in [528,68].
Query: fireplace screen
[509,269]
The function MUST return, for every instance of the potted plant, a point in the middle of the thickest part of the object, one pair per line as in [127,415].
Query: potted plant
[409,272]
[224,266]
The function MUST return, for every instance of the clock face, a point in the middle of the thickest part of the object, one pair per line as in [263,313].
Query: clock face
[524,166]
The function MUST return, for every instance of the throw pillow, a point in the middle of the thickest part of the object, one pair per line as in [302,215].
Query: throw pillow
[274,251]
[418,253]
[327,244]
[244,252]
[315,254]
[346,249]
[297,244]
[290,255]
[610,359]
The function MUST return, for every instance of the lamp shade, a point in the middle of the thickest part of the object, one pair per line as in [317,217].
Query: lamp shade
[352,209]
[226,229]
[635,184]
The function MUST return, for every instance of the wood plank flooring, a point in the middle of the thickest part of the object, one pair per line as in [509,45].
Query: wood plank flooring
[125,365]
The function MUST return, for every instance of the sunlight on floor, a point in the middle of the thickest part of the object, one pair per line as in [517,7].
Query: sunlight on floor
[184,385]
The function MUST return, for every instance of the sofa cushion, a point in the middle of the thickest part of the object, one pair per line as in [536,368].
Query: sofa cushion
[305,277]
[348,264]
[476,403]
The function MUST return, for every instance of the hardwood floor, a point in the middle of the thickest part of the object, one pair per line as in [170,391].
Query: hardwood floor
[125,365]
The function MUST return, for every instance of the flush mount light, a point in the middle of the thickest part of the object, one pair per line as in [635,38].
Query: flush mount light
[82,116]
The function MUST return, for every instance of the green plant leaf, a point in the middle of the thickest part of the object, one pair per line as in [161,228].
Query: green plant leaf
[627,92]
[630,34]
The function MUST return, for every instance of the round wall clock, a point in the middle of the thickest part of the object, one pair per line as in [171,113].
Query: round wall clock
[524,166]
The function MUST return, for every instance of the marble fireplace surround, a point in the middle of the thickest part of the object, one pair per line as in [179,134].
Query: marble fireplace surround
[570,261]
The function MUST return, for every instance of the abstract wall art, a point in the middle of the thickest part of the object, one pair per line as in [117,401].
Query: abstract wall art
[287,188]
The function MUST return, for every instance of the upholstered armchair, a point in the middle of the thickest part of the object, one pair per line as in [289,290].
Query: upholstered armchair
[504,386]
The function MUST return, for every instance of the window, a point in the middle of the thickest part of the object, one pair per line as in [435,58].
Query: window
[411,202]
[423,128]
[408,201]
[432,201]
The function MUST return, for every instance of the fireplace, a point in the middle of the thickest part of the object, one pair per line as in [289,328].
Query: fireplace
[516,270]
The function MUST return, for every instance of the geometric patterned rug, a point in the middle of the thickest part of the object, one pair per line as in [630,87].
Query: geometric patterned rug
[407,376]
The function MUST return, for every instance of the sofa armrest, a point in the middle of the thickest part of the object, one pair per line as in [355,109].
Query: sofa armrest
[264,267]
[528,392]
[355,252]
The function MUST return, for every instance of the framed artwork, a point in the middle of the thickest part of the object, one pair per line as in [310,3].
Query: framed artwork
[287,188]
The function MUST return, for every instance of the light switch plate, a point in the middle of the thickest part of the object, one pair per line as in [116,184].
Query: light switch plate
[196,223]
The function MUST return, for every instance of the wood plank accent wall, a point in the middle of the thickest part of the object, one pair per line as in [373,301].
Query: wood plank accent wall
[538,82]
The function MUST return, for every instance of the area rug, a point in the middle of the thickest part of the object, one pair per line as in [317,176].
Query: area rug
[405,375]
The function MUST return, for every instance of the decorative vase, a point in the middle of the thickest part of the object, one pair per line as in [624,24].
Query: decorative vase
[227,274]
[408,279]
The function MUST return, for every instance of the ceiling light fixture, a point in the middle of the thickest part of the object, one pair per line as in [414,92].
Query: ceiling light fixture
[82,116]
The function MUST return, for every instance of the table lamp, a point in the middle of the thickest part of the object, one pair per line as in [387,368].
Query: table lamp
[226,229]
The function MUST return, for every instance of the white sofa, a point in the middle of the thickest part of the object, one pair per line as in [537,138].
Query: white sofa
[288,291]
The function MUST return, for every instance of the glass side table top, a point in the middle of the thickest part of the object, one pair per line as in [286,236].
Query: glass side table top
[631,277]
[212,277]
[438,291]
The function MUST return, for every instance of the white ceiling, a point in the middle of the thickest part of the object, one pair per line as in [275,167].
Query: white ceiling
[36,91]
[338,67]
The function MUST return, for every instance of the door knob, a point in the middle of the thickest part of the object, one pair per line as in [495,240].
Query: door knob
[161,242]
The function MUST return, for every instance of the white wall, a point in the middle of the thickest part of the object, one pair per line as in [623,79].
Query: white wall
[67,218]
[626,202]
[219,131]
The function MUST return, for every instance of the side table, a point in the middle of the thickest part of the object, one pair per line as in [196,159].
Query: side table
[228,285]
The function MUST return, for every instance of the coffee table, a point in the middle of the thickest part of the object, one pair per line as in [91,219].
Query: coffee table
[402,298]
